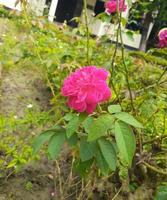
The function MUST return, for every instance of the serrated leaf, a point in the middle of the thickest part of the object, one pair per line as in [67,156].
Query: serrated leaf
[101,163]
[108,152]
[114,108]
[129,119]
[125,140]
[55,144]
[74,124]
[87,123]
[100,126]
[41,139]
[87,150]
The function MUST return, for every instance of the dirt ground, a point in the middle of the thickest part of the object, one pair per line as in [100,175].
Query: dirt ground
[19,88]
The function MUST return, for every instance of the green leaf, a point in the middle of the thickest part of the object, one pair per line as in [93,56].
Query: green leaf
[125,140]
[161,193]
[74,124]
[41,139]
[87,150]
[82,168]
[101,163]
[114,108]
[87,123]
[130,35]
[123,21]
[129,3]
[100,126]
[129,119]
[55,144]
[108,153]
[104,17]
[69,116]
[72,141]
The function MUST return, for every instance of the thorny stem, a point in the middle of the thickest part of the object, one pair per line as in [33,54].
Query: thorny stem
[113,60]
[87,31]
[116,93]
[117,38]
[124,63]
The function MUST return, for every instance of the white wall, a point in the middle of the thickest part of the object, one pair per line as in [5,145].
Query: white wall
[37,6]
[99,28]
[10,4]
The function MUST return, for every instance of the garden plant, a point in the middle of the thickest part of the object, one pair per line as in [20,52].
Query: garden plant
[105,132]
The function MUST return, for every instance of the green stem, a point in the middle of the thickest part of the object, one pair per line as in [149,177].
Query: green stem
[113,60]
[124,64]
[87,32]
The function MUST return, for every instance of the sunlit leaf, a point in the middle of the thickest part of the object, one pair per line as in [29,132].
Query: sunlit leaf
[55,144]
[100,126]
[129,119]
[108,152]
[125,140]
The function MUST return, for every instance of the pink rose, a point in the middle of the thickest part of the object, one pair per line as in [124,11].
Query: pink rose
[85,88]
[111,6]
[162,38]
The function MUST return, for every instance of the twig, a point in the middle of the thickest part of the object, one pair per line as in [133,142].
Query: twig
[159,171]
[150,86]
[10,174]
[60,181]
[83,189]
[117,193]
[155,139]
